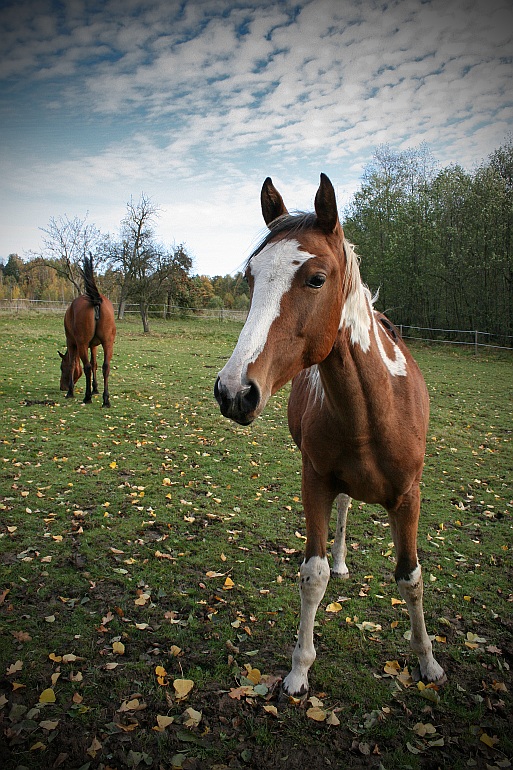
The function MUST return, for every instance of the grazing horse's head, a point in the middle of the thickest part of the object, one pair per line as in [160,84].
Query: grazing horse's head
[299,278]
[66,370]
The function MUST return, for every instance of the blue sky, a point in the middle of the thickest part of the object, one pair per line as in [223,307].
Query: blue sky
[194,103]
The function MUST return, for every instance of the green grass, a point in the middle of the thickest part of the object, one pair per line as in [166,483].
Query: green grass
[101,508]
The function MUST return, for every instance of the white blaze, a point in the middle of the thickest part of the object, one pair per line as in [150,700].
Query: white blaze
[273,270]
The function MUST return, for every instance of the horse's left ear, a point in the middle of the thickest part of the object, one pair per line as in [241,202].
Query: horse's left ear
[61,354]
[326,206]
[272,202]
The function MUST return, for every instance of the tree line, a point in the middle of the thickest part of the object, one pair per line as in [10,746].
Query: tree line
[436,243]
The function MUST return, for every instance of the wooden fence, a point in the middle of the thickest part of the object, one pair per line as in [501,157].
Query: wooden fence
[470,338]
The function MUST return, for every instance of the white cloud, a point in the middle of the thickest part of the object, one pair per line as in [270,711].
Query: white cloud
[196,105]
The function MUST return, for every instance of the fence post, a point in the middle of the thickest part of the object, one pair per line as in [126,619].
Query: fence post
[475,342]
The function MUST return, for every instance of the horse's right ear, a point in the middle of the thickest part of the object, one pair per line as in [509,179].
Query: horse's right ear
[272,202]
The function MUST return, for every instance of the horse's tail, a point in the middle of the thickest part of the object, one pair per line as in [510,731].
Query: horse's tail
[90,287]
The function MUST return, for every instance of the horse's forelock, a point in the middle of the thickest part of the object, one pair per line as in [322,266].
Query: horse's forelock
[289,224]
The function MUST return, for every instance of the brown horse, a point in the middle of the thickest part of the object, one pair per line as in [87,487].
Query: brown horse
[88,322]
[358,408]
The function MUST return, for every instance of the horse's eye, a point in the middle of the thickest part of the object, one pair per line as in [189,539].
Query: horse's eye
[316,281]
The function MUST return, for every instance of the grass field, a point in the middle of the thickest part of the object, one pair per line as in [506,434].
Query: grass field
[149,557]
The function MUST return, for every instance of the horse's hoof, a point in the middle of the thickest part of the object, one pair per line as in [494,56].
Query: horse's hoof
[440,680]
[106,404]
[340,575]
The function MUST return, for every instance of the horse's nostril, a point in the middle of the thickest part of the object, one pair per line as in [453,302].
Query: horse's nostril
[251,397]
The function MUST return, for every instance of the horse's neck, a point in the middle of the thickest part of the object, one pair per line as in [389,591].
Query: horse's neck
[364,360]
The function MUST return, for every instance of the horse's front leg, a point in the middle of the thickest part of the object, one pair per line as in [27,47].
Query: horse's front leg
[408,575]
[318,496]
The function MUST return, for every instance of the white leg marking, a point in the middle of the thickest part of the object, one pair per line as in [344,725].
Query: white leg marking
[339,550]
[314,576]
[411,591]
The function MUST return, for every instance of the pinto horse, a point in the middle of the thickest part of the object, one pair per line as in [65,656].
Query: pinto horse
[88,322]
[358,408]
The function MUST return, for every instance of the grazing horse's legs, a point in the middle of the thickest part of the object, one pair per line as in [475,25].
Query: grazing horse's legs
[403,524]
[339,550]
[94,367]
[107,354]
[318,496]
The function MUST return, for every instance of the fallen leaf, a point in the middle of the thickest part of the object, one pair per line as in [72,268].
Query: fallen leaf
[182,687]
[334,607]
[118,648]
[272,710]
[49,724]
[47,696]
[14,668]
[163,721]
[333,719]
[488,741]
[317,714]
[192,718]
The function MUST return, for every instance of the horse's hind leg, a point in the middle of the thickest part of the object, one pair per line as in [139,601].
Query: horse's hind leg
[88,372]
[339,550]
[94,367]
[403,524]
[107,355]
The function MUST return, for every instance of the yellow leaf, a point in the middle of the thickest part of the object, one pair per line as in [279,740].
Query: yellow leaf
[489,741]
[174,650]
[47,696]
[392,667]
[334,607]
[55,677]
[160,671]
[272,710]
[333,719]
[396,601]
[183,687]
[38,746]
[113,464]
[163,721]
[118,648]
[17,686]
[317,714]
[253,674]
[228,584]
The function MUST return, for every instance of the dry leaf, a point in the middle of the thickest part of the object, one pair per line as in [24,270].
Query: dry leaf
[163,721]
[317,714]
[334,607]
[192,718]
[182,687]
[118,648]
[49,724]
[333,719]
[47,696]
[14,668]
[272,710]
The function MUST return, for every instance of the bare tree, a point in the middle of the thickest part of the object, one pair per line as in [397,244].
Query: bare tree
[65,244]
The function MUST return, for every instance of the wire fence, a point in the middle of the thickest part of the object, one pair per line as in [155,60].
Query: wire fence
[469,338]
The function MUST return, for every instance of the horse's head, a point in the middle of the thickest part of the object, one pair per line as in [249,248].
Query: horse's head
[298,281]
[66,370]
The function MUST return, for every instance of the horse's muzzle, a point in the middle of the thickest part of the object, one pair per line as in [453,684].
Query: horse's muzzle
[242,407]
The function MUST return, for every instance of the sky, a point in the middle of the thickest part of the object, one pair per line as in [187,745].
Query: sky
[193,103]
